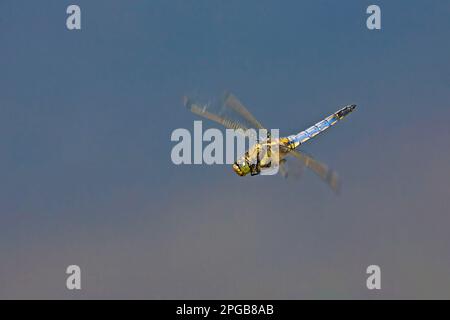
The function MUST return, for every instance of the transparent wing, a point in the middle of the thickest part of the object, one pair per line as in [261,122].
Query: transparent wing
[207,112]
[234,104]
[291,169]
[229,113]
[328,175]
[284,172]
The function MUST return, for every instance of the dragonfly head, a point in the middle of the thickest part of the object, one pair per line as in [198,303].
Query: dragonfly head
[250,162]
[241,167]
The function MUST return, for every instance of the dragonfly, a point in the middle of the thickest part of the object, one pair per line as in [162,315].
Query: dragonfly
[234,115]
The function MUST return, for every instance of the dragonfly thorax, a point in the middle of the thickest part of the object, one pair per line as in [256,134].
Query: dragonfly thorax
[261,156]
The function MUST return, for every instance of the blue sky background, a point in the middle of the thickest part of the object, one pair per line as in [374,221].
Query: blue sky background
[85,169]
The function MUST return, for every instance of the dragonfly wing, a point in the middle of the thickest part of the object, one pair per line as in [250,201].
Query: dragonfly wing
[283,169]
[290,169]
[328,175]
[234,104]
[205,112]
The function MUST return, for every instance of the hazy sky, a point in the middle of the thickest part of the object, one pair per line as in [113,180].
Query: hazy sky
[87,179]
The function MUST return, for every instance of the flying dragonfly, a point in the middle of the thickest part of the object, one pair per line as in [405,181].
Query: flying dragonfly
[234,115]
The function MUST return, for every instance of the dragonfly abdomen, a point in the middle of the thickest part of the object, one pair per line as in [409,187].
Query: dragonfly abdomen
[320,126]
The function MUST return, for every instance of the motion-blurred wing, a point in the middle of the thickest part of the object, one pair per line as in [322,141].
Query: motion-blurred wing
[205,112]
[326,174]
[291,169]
[231,114]
[234,104]
[282,168]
